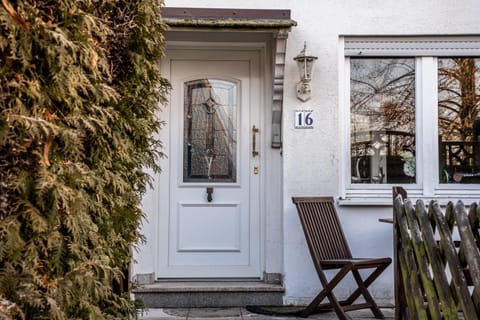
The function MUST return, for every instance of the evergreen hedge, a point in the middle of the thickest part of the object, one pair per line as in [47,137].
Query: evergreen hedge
[79,89]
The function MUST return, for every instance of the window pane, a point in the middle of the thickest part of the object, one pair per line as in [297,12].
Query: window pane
[459,119]
[382,108]
[210,131]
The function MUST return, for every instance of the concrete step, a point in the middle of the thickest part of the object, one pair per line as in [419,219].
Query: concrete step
[199,294]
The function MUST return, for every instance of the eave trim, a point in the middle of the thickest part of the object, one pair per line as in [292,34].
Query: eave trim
[227,18]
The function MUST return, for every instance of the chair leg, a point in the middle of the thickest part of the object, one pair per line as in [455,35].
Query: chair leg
[327,292]
[362,288]
[313,305]
[368,281]
[341,314]
[334,304]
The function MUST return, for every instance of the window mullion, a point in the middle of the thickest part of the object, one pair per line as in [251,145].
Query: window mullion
[427,131]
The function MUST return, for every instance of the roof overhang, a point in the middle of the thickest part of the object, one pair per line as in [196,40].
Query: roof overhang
[219,18]
[275,22]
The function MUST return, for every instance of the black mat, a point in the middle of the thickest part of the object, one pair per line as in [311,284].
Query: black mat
[292,311]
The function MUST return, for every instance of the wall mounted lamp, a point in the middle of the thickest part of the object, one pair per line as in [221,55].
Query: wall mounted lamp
[305,66]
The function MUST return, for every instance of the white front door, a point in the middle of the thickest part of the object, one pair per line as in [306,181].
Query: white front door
[210,222]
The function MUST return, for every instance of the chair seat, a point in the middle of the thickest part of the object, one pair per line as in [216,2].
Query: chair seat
[358,263]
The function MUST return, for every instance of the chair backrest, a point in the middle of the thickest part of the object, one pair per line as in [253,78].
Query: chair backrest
[323,231]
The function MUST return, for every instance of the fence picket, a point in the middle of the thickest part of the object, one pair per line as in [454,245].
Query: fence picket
[438,268]
[432,271]
[458,278]
[408,268]
[469,249]
[422,262]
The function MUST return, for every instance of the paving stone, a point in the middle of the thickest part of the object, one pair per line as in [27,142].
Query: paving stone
[176,312]
[160,314]
[217,318]
[243,314]
[215,313]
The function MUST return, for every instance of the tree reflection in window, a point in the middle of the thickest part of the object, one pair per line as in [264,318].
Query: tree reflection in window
[382,108]
[459,119]
[210,131]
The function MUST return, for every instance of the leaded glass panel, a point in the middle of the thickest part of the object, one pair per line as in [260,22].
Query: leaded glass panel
[210,131]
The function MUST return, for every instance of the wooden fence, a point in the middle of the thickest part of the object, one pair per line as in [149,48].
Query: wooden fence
[438,260]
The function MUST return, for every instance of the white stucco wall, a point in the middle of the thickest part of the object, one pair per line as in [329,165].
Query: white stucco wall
[322,146]
[311,157]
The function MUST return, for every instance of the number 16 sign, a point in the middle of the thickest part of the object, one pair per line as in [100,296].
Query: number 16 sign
[304,119]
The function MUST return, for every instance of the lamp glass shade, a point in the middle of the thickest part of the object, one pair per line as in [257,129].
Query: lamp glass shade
[305,64]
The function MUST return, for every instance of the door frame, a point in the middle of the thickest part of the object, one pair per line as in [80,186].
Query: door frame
[163,179]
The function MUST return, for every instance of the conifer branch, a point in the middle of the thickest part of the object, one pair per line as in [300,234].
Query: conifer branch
[14,14]
[79,94]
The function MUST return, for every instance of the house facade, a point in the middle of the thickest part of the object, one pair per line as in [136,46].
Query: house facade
[393,99]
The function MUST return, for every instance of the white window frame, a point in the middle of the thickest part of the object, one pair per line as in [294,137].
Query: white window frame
[425,51]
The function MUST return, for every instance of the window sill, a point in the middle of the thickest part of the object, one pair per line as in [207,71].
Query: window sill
[382,199]
[362,201]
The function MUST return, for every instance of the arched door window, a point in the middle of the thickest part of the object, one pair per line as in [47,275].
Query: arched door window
[210,131]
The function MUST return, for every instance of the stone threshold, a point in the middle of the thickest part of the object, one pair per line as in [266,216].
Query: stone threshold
[209,286]
[195,294]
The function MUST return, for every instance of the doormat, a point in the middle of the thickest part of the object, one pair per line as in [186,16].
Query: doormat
[292,311]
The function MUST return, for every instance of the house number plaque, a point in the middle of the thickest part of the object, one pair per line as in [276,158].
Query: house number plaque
[304,119]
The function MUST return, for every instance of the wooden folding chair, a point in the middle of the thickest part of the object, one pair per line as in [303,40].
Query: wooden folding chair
[329,250]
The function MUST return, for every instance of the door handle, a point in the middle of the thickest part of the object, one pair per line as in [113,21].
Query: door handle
[254,141]
[209,194]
